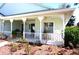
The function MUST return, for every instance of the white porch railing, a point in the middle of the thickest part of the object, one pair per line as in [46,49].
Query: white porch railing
[55,37]
[52,36]
[45,36]
[8,33]
[35,37]
[32,37]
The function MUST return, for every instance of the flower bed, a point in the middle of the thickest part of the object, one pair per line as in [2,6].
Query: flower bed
[24,49]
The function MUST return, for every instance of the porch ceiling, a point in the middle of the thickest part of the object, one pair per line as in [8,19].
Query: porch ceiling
[8,9]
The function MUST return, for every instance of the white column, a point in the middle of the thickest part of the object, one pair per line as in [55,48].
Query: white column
[62,17]
[11,20]
[3,26]
[40,19]
[24,21]
[63,27]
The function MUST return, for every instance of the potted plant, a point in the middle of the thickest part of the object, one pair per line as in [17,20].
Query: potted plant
[14,34]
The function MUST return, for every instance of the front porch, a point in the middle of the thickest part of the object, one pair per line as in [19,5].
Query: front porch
[36,29]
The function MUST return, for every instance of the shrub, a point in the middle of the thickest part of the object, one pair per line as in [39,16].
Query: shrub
[27,48]
[71,35]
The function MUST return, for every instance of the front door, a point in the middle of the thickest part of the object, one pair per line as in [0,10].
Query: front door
[33,27]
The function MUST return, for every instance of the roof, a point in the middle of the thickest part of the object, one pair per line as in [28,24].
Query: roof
[8,9]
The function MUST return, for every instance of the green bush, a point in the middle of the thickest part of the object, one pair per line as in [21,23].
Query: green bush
[72,35]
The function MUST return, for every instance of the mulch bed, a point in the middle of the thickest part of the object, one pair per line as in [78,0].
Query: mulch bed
[37,50]
[5,50]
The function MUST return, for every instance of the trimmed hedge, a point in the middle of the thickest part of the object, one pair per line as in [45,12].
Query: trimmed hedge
[72,35]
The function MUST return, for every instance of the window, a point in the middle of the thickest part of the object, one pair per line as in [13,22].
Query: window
[48,27]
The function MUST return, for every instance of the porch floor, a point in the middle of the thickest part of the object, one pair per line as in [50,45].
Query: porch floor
[50,42]
[29,40]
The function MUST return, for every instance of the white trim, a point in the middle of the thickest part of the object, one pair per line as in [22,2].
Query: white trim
[39,13]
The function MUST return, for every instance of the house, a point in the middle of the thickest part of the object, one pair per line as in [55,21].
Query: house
[44,26]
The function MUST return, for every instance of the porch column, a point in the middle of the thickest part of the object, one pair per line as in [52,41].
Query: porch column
[3,26]
[62,17]
[40,19]
[11,20]
[24,21]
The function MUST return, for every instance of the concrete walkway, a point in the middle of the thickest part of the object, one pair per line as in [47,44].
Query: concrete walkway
[4,43]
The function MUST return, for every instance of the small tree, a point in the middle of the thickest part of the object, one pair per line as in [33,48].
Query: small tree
[71,21]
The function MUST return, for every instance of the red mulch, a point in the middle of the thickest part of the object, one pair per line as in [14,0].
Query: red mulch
[39,50]
[5,50]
